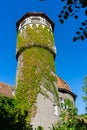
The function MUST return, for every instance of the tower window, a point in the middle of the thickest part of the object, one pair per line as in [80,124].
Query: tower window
[35,19]
[62,105]
[55,110]
[61,99]
[47,23]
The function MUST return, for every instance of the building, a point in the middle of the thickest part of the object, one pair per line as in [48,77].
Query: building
[63,90]
[37,85]
[6,90]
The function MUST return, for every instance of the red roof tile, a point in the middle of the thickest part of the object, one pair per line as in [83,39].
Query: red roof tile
[62,84]
[6,90]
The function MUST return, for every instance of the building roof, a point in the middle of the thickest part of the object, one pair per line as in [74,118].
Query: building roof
[62,84]
[6,90]
[28,14]
[64,87]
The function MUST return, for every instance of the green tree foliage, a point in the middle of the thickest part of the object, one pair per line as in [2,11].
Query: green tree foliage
[11,117]
[84,88]
[68,115]
[40,128]
[72,8]
[69,119]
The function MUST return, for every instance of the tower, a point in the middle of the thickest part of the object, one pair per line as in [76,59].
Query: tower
[36,83]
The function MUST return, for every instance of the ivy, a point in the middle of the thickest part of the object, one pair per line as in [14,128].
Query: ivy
[35,35]
[37,67]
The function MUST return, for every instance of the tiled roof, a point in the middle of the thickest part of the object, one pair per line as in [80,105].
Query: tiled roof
[64,87]
[6,90]
[62,84]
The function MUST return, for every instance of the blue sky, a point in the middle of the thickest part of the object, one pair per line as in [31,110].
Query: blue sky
[71,59]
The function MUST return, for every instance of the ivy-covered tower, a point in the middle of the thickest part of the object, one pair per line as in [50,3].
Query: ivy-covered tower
[36,85]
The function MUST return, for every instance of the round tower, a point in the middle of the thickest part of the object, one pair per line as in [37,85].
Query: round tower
[36,83]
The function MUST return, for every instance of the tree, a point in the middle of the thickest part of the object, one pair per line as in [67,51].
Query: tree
[84,88]
[69,119]
[72,9]
[11,117]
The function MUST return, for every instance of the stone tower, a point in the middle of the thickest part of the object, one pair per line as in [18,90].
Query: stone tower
[36,83]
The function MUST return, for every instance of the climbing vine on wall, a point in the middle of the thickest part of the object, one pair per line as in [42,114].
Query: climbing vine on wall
[36,69]
[35,35]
